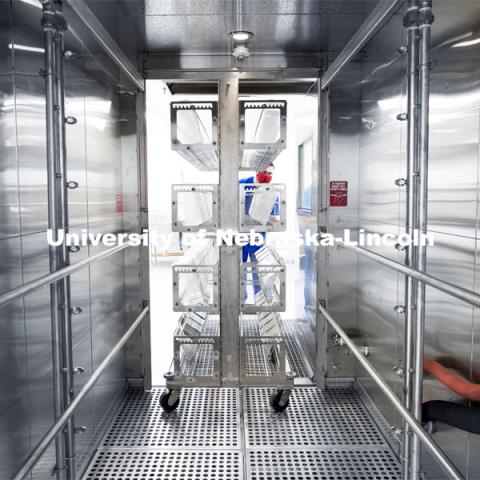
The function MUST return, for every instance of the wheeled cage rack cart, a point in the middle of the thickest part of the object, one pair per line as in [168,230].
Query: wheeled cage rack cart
[199,350]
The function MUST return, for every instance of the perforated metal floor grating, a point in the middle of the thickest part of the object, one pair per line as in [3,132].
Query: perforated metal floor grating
[333,417]
[321,436]
[207,417]
[322,465]
[166,465]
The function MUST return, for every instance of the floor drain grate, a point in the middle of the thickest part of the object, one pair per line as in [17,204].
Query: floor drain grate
[314,418]
[166,465]
[322,465]
[205,418]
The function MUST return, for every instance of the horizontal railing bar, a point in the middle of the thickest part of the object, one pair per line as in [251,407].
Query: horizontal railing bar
[38,283]
[57,427]
[446,287]
[416,427]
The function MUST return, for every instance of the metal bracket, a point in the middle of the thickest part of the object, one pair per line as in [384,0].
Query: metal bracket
[78,370]
[79,430]
[401,182]
[399,370]
[399,308]
[73,248]
[338,341]
[397,431]
[425,16]
[410,20]
[70,120]
[402,117]
[72,184]
[76,310]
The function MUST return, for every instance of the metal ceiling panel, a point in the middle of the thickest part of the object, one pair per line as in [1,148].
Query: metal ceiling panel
[180,26]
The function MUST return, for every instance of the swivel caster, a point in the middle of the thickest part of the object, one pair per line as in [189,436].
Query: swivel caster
[280,399]
[170,400]
[273,356]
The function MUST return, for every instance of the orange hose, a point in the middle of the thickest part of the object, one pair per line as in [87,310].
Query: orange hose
[454,382]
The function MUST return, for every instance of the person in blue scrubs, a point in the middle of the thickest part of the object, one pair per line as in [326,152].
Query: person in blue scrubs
[248,251]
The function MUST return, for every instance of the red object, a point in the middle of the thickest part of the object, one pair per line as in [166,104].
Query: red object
[264,177]
[454,382]
[119,202]
[338,193]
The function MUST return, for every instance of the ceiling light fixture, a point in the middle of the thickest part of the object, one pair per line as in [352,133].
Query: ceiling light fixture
[33,3]
[240,39]
[25,48]
[467,43]
[240,36]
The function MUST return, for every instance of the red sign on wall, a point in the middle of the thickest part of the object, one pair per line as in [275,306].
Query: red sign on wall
[119,202]
[338,193]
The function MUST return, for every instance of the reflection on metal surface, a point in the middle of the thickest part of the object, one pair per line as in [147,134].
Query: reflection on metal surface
[96,162]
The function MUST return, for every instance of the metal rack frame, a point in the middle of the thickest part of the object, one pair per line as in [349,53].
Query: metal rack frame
[203,156]
[180,188]
[263,154]
[275,300]
[179,270]
[229,346]
[280,224]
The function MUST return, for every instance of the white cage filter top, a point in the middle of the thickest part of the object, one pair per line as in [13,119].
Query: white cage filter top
[263,202]
[194,207]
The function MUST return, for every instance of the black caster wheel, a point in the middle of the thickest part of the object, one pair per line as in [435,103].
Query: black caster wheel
[273,356]
[276,401]
[168,401]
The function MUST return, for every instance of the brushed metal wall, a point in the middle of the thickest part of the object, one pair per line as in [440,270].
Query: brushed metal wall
[102,158]
[371,153]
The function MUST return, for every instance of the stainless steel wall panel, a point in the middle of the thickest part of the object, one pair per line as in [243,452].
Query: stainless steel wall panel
[14,404]
[27,33]
[31,148]
[6,38]
[454,140]
[104,167]
[344,165]
[474,440]
[9,193]
[382,146]
[76,138]
[449,332]
[108,325]
[38,333]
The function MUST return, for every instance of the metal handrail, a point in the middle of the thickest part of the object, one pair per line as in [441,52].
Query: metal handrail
[416,427]
[57,427]
[38,283]
[446,287]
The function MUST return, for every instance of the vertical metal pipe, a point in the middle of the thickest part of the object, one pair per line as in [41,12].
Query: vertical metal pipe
[144,253]
[411,24]
[49,29]
[64,253]
[322,221]
[425,22]
[228,90]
